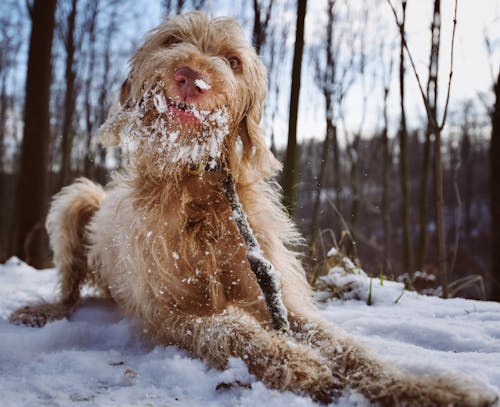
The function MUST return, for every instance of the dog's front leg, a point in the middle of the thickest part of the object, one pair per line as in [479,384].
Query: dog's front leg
[352,364]
[275,359]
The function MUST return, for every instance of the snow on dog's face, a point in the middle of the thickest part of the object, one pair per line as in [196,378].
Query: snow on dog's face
[194,95]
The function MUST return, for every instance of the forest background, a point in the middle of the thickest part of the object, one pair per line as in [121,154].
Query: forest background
[384,158]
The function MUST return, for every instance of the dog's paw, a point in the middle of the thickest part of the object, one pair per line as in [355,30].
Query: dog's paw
[26,316]
[321,386]
[39,315]
[304,373]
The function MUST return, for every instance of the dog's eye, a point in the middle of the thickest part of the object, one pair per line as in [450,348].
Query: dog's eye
[170,41]
[234,63]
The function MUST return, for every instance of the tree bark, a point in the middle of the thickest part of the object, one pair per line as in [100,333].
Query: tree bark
[69,97]
[4,226]
[260,26]
[403,160]
[424,198]
[290,167]
[89,116]
[495,194]
[438,169]
[180,6]
[386,166]
[321,176]
[32,188]
[432,92]
[326,79]
[440,227]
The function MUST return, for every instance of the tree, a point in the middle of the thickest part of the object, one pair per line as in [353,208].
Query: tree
[326,79]
[432,93]
[290,166]
[386,167]
[32,189]
[70,95]
[168,6]
[262,15]
[495,193]
[403,154]
[90,29]
[437,130]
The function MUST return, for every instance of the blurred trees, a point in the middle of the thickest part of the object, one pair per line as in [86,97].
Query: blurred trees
[32,187]
[364,187]
[495,192]
[69,41]
[290,166]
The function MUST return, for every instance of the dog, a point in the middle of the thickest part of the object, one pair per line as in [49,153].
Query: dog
[161,240]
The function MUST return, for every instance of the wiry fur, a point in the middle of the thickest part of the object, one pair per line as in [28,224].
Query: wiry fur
[162,244]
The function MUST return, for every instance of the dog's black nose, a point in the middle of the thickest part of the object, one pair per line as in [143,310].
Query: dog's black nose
[191,83]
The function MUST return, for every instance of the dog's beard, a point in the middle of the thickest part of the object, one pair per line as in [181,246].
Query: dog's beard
[156,129]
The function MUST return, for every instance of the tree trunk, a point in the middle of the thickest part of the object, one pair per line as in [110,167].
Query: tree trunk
[440,226]
[403,160]
[89,116]
[468,179]
[101,171]
[31,198]
[386,166]
[337,176]
[438,166]
[495,194]
[69,97]
[432,92]
[321,175]
[290,167]
[260,26]
[4,226]
[424,198]
[180,6]
[355,190]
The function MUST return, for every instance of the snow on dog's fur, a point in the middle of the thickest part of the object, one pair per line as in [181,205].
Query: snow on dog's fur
[161,241]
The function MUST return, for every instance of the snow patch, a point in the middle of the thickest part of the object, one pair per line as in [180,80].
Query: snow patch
[200,83]
[147,128]
[97,358]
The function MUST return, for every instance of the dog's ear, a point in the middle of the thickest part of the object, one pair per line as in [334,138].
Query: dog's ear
[125,91]
[258,156]
[109,132]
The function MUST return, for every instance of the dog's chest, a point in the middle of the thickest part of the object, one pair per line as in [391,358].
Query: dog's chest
[210,257]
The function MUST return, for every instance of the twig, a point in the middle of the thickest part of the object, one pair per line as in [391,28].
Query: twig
[267,276]
[400,295]
[431,118]
[346,229]
[424,97]
[443,121]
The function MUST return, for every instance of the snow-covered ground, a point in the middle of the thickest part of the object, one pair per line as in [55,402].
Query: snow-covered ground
[97,359]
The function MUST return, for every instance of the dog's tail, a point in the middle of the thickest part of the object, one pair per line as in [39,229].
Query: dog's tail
[70,213]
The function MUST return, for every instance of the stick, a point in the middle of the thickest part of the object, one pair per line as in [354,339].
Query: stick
[267,276]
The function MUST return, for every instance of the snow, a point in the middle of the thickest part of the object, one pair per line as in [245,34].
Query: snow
[162,142]
[200,83]
[98,359]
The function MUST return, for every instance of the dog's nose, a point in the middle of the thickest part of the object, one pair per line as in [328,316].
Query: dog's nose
[191,83]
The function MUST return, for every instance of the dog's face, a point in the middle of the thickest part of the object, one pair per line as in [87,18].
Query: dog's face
[194,94]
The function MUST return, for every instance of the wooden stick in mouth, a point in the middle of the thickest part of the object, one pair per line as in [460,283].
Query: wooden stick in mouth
[267,276]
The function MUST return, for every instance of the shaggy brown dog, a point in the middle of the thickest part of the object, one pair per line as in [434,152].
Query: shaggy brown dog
[162,243]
